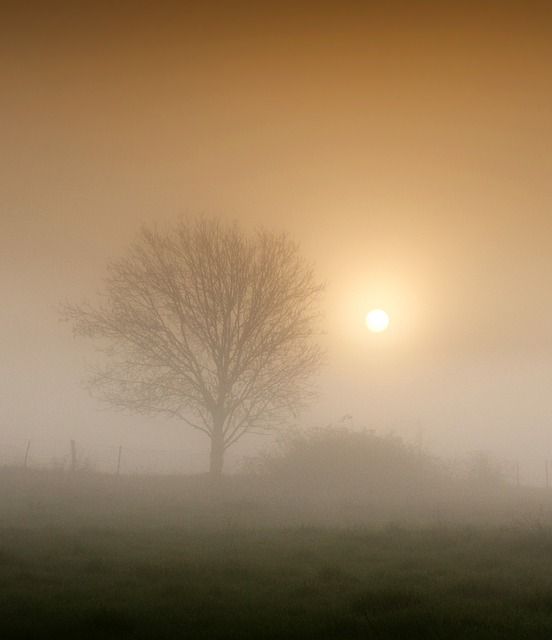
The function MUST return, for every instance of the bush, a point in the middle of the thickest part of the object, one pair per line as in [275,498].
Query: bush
[338,461]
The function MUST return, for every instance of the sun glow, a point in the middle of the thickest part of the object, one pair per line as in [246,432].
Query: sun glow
[377,320]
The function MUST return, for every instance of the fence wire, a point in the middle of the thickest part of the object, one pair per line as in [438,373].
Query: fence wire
[41,453]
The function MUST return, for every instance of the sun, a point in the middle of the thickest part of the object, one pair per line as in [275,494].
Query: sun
[377,320]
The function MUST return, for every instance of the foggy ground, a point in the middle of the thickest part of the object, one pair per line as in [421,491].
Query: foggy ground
[95,556]
[280,583]
[42,498]
[339,534]
[336,477]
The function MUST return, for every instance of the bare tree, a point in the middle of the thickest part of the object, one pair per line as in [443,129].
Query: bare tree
[209,324]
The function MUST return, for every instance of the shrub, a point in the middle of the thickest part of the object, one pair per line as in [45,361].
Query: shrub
[341,462]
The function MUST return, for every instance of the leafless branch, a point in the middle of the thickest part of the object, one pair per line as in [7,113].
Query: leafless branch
[208,324]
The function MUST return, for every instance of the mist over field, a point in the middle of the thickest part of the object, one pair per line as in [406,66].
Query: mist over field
[339,534]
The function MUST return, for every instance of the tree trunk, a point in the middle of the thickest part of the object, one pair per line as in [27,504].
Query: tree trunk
[217,454]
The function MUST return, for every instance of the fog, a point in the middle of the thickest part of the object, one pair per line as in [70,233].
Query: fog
[405,147]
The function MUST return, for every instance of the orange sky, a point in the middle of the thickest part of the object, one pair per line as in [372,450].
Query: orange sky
[405,145]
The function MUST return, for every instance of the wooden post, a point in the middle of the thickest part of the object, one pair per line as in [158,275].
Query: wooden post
[546,472]
[517,473]
[119,460]
[27,454]
[73,456]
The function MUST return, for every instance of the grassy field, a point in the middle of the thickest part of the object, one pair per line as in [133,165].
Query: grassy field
[102,557]
[281,583]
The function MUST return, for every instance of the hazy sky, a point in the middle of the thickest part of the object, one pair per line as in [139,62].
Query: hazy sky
[407,146]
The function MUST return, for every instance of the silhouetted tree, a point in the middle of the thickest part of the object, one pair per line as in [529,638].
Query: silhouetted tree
[209,324]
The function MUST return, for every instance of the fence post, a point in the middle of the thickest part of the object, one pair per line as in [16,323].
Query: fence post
[517,472]
[73,456]
[119,460]
[546,472]
[27,454]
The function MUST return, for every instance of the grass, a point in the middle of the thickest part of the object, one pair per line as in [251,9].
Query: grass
[277,583]
[101,557]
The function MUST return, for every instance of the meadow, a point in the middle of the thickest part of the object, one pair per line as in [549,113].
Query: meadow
[319,552]
[197,564]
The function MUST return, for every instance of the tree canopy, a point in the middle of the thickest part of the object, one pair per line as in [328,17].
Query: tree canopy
[209,324]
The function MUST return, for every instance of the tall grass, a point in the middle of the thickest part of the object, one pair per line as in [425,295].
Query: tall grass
[281,583]
[315,544]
